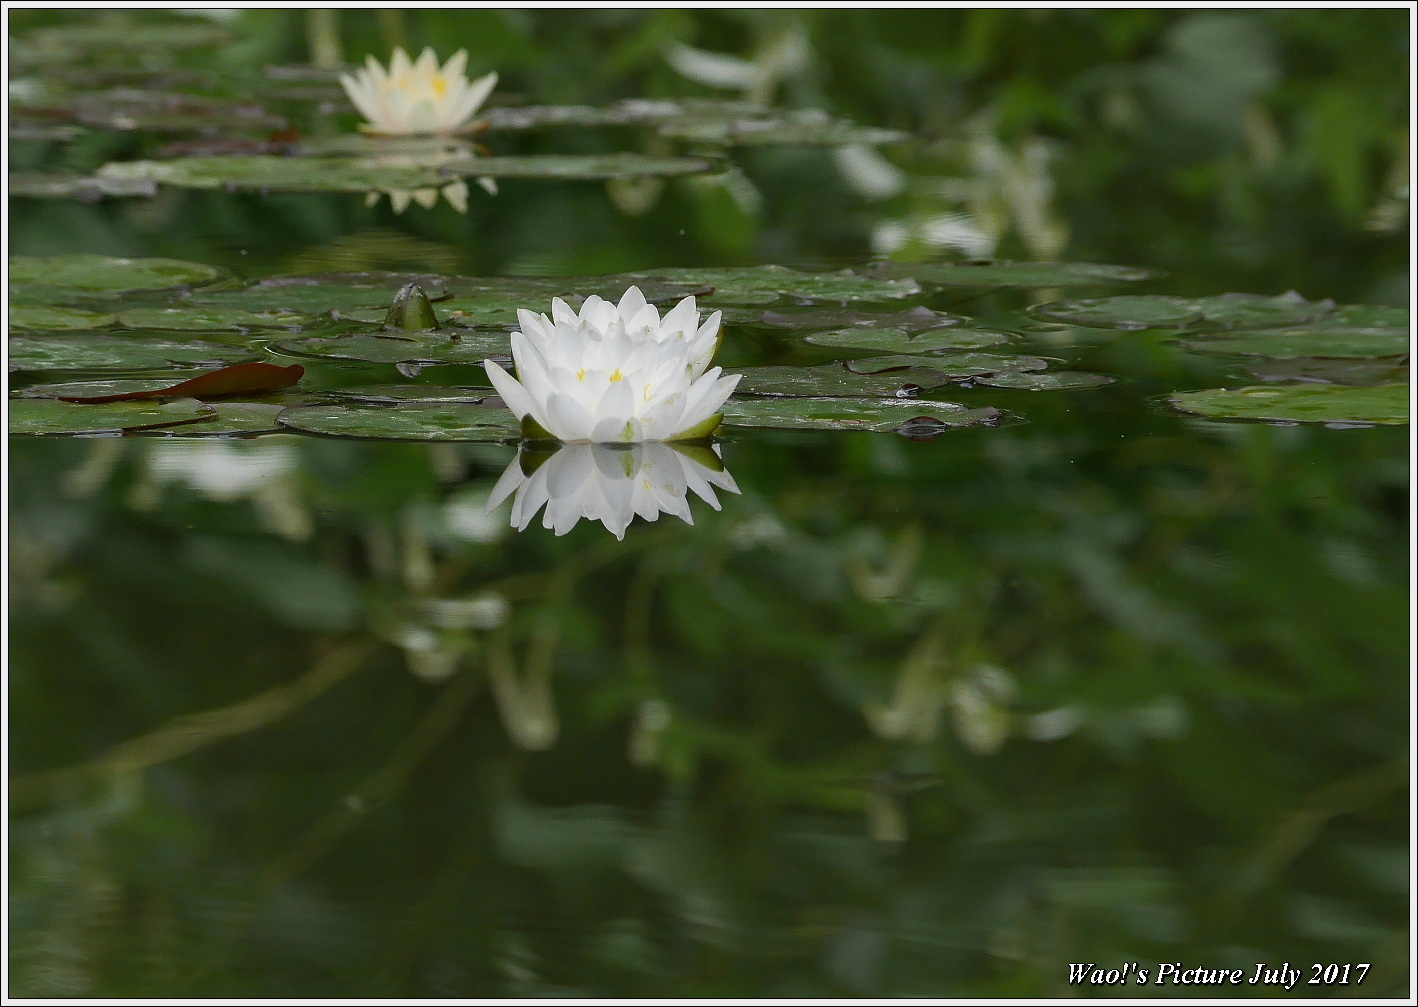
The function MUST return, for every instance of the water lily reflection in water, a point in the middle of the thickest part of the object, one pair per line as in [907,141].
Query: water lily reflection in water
[610,484]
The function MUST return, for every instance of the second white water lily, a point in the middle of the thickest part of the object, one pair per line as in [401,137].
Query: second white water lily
[417,97]
[615,373]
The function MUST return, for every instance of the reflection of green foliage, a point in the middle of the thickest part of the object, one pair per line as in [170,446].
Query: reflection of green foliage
[1134,696]
[295,716]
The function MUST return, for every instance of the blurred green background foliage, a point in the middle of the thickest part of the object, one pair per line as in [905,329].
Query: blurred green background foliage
[296,717]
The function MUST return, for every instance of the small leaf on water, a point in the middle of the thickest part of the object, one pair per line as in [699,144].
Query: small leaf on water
[411,311]
[239,379]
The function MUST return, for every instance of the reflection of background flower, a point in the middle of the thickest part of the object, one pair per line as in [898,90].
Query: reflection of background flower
[455,192]
[612,485]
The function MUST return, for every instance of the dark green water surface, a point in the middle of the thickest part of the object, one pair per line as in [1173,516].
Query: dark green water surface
[1092,682]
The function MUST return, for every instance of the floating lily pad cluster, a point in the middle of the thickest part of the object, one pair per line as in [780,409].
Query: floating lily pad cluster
[88,332]
[270,132]
[101,345]
[1327,363]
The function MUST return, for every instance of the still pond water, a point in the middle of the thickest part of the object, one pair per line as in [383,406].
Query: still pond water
[895,698]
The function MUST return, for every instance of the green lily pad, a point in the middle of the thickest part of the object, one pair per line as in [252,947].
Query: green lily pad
[94,389]
[45,317]
[412,422]
[461,300]
[1002,273]
[1152,311]
[304,297]
[1385,404]
[949,365]
[853,414]
[117,353]
[70,185]
[48,417]
[900,341]
[1354,331]
[102,274]
[1049,381]
[765,284]
[573,167]
[131,109]
[1284,344]
[835,380]
[917,319]
[1131,312]
[393,173]
[1359,371]
[1367,316]
[270,173]
[232,419]
[1255,311]
[190,318]
[392,394]
[438,346]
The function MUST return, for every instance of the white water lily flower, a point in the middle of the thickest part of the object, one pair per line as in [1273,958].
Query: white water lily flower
[417,97]
[611,485]
[615,373]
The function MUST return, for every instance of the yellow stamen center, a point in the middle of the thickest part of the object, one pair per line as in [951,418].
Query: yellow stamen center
[616,375]
[440,86]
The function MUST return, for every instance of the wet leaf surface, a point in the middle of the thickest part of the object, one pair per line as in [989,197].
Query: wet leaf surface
[190,318]
[117,353]
[916,319]
[45,317]
[230,419]
[50,417]
[411,422]
[1002,273]
[853,414]
[393,394]
[766,284]
[395,172]
[957,365]
[1153,311]
[834,380]
[901,341]
[434,347]
[1048,381]
[1130,312]
[1309,403]
[101,274]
